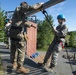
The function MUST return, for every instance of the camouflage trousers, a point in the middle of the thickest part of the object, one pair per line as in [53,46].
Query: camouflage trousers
[53,51]
[17,53]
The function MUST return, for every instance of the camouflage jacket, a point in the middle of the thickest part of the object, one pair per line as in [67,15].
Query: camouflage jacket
[18,19]
[19,24]
[7,27]
[62,31]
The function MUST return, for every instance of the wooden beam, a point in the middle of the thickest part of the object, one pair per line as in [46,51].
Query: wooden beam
[44,6]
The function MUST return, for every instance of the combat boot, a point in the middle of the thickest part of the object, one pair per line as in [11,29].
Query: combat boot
[41,64]
[22,70]
[14,65]
[48,69]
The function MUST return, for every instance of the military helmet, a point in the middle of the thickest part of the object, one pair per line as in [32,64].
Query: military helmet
[61,16]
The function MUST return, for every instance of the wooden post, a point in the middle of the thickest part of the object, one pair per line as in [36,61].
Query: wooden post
[31,43]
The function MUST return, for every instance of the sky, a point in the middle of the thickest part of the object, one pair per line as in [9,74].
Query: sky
[67,7]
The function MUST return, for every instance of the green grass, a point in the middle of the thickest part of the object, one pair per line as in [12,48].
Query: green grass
[1,69]
[0,63]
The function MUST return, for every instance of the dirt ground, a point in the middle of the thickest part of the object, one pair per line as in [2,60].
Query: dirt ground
[64,67]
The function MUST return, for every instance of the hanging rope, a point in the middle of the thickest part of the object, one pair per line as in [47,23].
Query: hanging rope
[47,17]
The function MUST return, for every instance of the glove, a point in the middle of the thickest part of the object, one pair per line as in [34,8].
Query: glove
[25,37]
[33,26]
[37,6]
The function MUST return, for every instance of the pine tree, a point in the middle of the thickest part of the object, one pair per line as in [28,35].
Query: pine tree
[72,39]
[2,23]
[45,34]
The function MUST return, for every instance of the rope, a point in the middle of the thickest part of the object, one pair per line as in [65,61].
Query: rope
[47,17]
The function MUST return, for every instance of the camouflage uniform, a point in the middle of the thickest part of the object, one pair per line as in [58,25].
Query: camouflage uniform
[7,29]
[19,24]
[56,45]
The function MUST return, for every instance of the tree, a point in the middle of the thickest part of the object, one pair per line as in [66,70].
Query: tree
[45,34]
[72,39]
[2,18]
[2,22]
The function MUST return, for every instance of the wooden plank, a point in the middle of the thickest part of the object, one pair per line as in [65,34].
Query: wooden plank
[44,6]
[31,42]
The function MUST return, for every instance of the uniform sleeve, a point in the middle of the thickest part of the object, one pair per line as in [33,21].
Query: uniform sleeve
[26,9]
[37,5]
[16,12]
[17,17]
[7,27]
[63,32]
[33,7]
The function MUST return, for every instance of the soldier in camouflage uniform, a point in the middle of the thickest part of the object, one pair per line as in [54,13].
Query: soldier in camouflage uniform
[57,44]
[7,29]
[18,36]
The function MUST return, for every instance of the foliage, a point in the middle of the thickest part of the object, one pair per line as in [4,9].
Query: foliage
[2,18]
[72,39]
[2,23]
[67,39]
[45,34]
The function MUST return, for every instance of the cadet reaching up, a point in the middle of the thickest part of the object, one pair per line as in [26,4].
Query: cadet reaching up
[56,45]
[18,35]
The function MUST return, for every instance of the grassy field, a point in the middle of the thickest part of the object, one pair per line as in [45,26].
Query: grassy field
[1,69]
